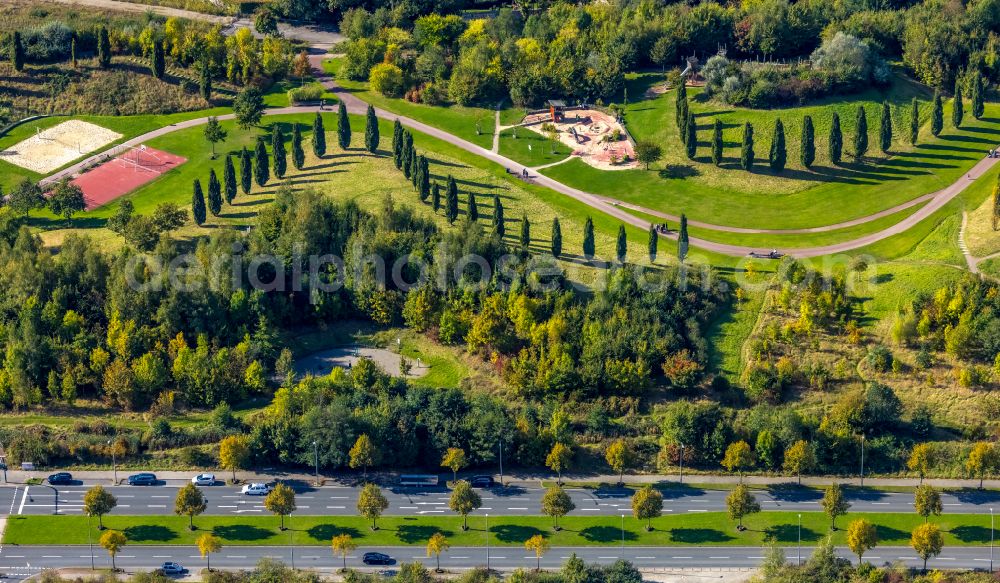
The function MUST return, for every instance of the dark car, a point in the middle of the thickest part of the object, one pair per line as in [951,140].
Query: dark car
[142,479]
[482,482]
[171,568]
[60,478]
[377,559]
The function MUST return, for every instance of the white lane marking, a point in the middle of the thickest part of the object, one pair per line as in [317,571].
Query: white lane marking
[696,510]
[341,507]
[680,557]
[718,558]
[512,508]
[13,499]
[647,558]
[24,497]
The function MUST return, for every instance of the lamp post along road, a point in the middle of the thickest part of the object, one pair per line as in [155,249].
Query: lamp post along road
[862,460]
[487,542]
[798,550]
[316,460]
[114,464]
[991,539]
[682,464]
[501,463]
[623,537]
[90,541]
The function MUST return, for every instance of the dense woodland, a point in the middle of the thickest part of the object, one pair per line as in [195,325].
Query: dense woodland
[584,51]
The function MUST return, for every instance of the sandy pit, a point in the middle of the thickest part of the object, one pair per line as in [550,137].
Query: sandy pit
[590,133]
[57,146]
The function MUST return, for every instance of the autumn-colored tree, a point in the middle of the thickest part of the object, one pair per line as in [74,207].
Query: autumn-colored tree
[454,459]
[234,453]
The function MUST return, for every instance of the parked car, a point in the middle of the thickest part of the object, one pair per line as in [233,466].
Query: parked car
[377,559]
[171,568]
[256,489]
[60,478]
[143,479]
[203,480]
[482,482]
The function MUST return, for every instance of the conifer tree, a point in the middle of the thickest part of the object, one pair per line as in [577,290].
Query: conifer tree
[717,144]
[451,200]
[978,107]
[158,64]
[343,127]
[957,110]
[691,141]
[246,170]
[397,144]
[914,121]
[556,238]
[298,154]
[588,238]
[654,241]
[680,106]
[861,133]
[525,233]
[229,179]
[198,204]
[436,196]
[319,136]
[424,184]
[473,210]
[747,153]
[498,222]
[371,131]
[17,51]
[682,239]
[885,128]
[262,172]
[937,115]
[778,156]
[214,193]
[836,140]
[103,48]
[621,246]
[205,81]
[278,153]
[807,143]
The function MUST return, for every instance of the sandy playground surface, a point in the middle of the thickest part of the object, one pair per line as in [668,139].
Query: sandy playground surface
[59,145]
[588,132]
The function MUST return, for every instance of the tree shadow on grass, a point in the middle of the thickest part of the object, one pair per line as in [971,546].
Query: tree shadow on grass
[242,532]
[971,534]
[679,171]
[416,533]
[785,533]
[324,532]
[606,534]
[514,533]
[698,535]
[149,533]
[888,533]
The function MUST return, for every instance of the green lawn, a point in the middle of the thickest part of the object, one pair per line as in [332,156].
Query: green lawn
[797,198]
[531,148]
[709,528]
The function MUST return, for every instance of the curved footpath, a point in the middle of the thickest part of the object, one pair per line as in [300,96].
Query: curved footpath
[612,208]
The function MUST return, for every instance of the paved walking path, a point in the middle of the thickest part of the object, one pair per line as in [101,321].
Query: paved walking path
[614,209]
[144,8]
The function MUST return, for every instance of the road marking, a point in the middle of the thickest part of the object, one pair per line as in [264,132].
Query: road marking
[341,507]
[512,508]
[157,505]
[51,556]
[680,557]
[460,557]
[591,509]
[646,558]
[161,556]
[13,500]
[236,556]
[486,508]
[607,557]
[880,503]
[696,510]
[24,497]
[718,558]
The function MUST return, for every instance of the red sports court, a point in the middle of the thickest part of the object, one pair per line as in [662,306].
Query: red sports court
[130,168]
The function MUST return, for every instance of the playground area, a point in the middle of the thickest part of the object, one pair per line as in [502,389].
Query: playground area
[594,136]
[129,168]
[51,149]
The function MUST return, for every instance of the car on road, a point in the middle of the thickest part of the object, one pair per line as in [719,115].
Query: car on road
[171,568]
[256,489]
[482,482]
[203,480]
[143,479]
[60,478]
[377,559]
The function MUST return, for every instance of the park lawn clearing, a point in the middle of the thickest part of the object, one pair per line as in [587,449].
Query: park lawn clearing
[59,145]
[686,529]
[531,148]
[980,237]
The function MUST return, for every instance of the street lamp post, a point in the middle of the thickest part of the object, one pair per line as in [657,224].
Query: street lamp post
[487,542]
[90,541]
[114,464]
[798,551]
[991,539]
[501,463]
[291,547]
[862,460]
[316,460]
[623,537]
[682,463]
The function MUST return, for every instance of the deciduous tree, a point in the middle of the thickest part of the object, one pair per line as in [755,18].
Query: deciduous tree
[556,503]
[372,503]
[981,461]
[647,504]
[343,545]
[113,541]
[280,501]
[620,457]
[647,152]
[234,453]
[739,458]
[66,199]
[861,537]
[208,543]
[454,459]
[362,454]
[248,107]
[464,500]
[539,545]
[834,504]
[921,459]
[927,541]
[559,459]
[799,459]
[436,545]
[927,501]
[189,502]
[98,502]
[740,502]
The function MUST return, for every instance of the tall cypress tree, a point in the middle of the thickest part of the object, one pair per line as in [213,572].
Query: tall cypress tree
[436,196]
[556,238]
[836,148]
[371,131]
[408,163]
[17,51]
[424,185]
[229,179]
[621,247]
[343,127]
[588,238]
[451,200]
[778,156]
[807,152]
[278,153]
[214,193]
[498,223]
[861,133]
[685,117]
[717,144]
[682,239]
[747,153]
[261,173]
[473,209]
[414,167]
[319,136]
[298,154]
[654,240]
[978,107]
[158,63]
[246,170]
[72,51]
[103,48]
[205,81]
[914,121]
[691,141]
[525,233]
[885,128]
[681,106]
[937,115]
[996,204]
[198,204]
[397,144]
[957,110]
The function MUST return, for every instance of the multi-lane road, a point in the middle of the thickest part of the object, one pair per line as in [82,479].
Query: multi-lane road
[509,500]
[18,562]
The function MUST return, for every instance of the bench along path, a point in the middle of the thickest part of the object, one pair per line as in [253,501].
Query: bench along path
[612,208]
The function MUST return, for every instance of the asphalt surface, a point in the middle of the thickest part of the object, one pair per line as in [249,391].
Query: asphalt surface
[510,500]
[19,562]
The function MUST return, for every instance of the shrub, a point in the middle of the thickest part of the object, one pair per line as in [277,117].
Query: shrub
[762,94]
[47,43]
[306,93]
[879,358]
[386,79]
